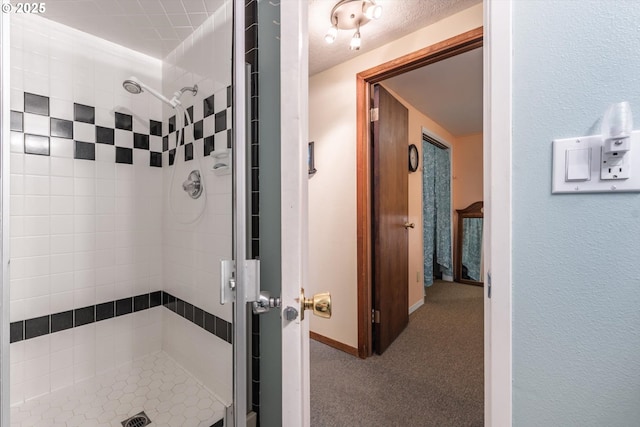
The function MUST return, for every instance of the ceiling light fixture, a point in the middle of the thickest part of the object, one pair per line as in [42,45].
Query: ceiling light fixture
[350,15]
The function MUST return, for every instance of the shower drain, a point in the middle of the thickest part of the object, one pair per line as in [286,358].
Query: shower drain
[138,420]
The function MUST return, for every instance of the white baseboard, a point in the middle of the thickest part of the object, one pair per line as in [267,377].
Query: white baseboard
[416,306]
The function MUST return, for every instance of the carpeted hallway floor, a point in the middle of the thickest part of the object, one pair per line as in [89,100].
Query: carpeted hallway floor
[432,375]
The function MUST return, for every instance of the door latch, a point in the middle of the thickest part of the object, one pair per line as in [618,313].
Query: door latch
[265,303]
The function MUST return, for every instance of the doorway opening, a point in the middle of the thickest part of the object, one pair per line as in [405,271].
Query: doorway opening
[365,80]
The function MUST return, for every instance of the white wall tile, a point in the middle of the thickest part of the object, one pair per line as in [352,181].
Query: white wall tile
[61,147]
[61,166]
[123,138]
[60,205]
[61,263]
[36,307]
[36,185]
[36,124]
[36,205]
[62,224]
[17,142]
[62,301]
[61,108]
[63,282]
[85,169]
[84,132]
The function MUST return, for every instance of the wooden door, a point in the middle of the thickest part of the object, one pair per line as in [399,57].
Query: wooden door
[390,211]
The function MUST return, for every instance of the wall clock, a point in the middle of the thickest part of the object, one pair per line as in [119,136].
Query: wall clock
[414,158]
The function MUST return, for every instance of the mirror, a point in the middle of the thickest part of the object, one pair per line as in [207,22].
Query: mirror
[469,266]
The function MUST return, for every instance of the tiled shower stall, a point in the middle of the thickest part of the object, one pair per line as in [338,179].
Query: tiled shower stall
[114,269]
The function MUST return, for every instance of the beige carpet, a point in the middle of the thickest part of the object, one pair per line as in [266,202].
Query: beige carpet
[432,375]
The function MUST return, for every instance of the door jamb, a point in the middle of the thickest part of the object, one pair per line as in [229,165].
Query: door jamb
[453,46]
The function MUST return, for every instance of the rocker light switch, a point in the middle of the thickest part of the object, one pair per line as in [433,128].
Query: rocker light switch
[578,164]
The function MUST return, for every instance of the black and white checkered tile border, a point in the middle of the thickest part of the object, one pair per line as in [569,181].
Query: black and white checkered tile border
[56,322]
[38,127]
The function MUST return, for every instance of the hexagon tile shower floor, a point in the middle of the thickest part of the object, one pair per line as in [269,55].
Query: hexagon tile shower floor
[155,384]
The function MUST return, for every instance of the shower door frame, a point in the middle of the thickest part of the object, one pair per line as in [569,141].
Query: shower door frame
[239,216]
[5,98]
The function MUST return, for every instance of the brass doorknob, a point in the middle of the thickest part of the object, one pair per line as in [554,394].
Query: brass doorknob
[408,225]
[320,304]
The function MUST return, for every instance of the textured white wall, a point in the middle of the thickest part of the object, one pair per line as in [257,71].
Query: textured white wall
[576,286]
[332,191]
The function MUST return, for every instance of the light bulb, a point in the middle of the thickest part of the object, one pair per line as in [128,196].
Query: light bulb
[355,41]
[618,121]
[330,37]
[373,11]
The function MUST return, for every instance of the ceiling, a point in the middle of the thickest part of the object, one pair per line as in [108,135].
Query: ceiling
[449,92]
[399,18]
[153,27]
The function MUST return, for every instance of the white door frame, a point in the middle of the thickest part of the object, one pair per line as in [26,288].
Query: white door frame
[294,95]
[497,193]
[497,190]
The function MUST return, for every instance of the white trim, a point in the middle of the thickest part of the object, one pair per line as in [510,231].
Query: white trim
[443,141]
[294,96]
[5,115]
[416,306]
[497,193]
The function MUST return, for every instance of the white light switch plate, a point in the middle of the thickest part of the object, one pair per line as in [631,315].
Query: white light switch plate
[560,184]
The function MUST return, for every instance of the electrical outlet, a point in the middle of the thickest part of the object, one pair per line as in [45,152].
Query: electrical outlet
[614,166]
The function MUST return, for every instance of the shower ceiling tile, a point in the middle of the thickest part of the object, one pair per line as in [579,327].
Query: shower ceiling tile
[194,6]
[129,22]
[197,19]
[151,6]
[173,6]
[179,20]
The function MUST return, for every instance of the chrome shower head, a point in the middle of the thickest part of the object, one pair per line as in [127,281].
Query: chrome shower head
[135,86]
[132,87]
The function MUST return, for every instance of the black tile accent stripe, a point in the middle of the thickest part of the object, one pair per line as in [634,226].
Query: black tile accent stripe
[61,128]
[155,159]
[36,104]
[16,121]
[36,144]
[32,328]
[124,306]
[84,315]
[105,311]
[84,113]
[36,327]
[124,121]
[155,128]
[104,135]
[84,150]
[16,331]
[61,321]
[124,155]
[208,106]
[141,140]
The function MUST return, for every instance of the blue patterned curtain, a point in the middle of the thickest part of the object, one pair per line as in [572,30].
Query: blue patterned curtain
[436,202]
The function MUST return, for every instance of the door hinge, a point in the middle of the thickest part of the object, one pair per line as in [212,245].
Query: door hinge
[375,316]
[488,285]
[374,113]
